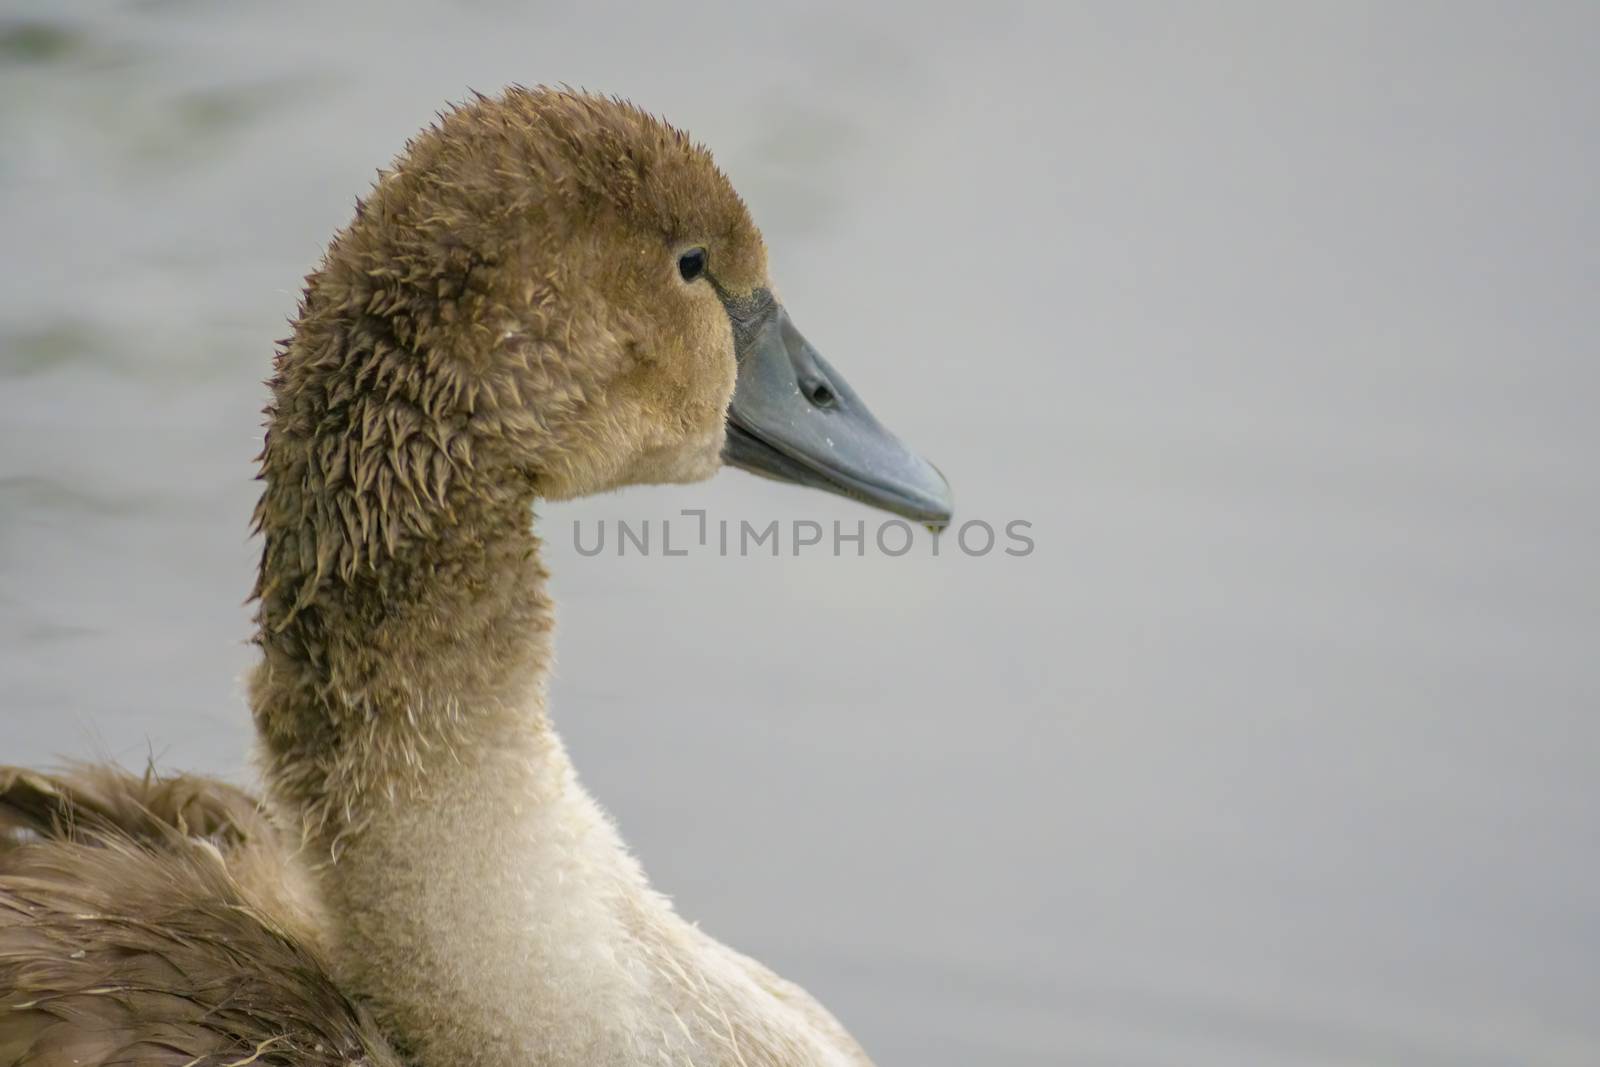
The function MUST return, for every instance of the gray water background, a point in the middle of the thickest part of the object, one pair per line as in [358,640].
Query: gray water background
[1279,324]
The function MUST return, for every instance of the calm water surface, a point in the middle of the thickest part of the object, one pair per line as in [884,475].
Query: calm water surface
[1278,323]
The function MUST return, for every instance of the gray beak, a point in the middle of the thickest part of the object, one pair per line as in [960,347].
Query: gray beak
[796,419]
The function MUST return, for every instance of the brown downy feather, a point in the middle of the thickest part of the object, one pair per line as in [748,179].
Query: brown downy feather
[123,940]
[100,798]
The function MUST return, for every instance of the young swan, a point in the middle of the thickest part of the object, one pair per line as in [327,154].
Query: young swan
[551,295]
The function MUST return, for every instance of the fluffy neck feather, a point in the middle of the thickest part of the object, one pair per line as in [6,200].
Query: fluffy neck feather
[476,895]
[374,680]
[472,889]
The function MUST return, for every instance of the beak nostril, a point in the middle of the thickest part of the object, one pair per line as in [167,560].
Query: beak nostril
[821,395]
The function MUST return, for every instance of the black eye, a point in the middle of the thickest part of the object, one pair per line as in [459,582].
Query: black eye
[692,264]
